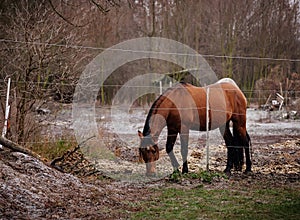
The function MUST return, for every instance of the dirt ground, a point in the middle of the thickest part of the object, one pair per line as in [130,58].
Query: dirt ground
[31,189]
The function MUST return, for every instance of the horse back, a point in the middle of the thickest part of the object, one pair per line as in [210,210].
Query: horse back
[235,99]
[185,104]
[226,101]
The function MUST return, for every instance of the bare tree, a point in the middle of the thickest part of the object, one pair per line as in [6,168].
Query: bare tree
[40,48]
[36,56]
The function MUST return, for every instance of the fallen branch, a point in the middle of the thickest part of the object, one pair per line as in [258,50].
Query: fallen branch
[18,148]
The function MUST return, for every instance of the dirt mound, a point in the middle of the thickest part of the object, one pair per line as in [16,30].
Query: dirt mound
[31,189]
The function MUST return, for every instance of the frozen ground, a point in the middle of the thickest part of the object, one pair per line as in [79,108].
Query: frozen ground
[30,189]
[262,127]
[118,128]
[119,134]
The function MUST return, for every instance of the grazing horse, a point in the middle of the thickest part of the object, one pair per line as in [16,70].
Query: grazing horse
[183,108]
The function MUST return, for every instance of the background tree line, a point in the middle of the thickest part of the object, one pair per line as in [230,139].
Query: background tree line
[45,45]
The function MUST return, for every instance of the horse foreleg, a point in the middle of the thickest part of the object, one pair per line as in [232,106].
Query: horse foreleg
[169,148]
[184,140]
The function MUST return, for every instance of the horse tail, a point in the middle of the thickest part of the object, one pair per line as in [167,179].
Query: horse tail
[250,144]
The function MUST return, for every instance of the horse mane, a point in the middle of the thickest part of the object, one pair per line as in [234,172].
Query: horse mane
[155,106]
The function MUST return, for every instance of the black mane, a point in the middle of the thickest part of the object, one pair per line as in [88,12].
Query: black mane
[146,130]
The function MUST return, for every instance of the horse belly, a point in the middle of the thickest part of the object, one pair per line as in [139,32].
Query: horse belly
[217,119]
[198,123]
[202,127]
[219,108]
[197,127]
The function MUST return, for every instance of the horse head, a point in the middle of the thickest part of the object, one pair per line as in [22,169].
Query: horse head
[149,152]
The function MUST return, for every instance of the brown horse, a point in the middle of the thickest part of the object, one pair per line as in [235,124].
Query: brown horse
[183,108]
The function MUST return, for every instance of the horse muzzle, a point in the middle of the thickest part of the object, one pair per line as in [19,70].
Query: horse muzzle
[150,169]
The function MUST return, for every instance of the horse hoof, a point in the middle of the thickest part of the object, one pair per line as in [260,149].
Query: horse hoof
[238,168]
[185,171]
[247,172]
[227,173]
[176,170]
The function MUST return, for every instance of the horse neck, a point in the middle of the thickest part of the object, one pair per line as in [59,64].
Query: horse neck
[156,119]
[157,127]
[155,124]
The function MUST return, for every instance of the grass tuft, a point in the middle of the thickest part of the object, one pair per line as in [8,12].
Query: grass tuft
[52,149]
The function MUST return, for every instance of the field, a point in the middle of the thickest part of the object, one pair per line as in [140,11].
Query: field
[77,82]
[32,189]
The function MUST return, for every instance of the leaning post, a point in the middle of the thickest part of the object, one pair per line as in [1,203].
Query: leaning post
[7,108]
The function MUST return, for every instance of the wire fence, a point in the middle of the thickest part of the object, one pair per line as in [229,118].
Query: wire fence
[78,47]
[44,86]
[254,96]
[36,85]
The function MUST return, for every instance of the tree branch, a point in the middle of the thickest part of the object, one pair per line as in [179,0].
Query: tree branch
[61,16]
[15,147]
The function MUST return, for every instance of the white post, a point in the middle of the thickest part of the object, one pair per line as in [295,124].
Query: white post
[207,128]
[7,108]
[170,84]
[160,87]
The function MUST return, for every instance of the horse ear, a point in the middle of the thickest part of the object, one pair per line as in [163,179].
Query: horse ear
[140,134]
[152,148]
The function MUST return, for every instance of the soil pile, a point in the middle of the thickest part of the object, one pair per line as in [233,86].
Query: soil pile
[31,189]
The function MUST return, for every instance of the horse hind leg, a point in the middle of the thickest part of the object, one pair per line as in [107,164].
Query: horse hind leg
[238,151]
[242,140]
[226,133]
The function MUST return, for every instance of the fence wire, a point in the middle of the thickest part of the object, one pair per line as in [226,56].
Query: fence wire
[80,47]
